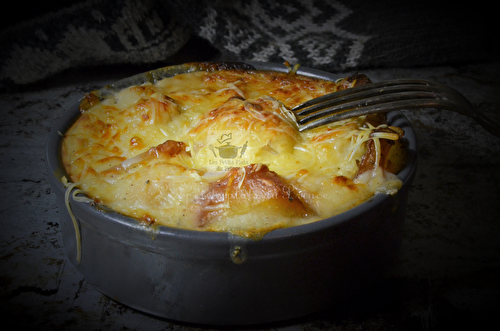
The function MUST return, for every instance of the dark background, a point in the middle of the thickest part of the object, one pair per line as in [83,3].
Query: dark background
[449,272]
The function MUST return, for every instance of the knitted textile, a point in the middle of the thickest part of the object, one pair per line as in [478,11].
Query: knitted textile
[337,36]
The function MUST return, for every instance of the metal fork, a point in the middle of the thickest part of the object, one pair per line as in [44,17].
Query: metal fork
[386,96]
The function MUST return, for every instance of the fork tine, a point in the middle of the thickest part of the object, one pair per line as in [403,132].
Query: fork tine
[360,92]
[379,97]
[365,91]
[308,123]
[332,106]
[384,97]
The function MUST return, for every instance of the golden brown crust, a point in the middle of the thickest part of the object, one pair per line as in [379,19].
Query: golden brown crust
[246,189]
[218,66]
[169,149]
[344,181]
[219,150]
[88,101]
[355,80]
[369,159]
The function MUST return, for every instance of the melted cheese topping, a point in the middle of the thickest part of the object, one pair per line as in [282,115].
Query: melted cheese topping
[220,151]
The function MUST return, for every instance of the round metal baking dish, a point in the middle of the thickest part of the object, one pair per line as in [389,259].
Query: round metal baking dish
[222,279]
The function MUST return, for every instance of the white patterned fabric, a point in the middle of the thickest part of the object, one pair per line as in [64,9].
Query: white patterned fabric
[339,35]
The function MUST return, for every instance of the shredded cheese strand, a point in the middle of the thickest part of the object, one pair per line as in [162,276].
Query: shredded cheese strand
[69,188]
[73,191]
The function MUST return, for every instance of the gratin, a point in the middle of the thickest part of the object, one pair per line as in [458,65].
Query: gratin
[220,151]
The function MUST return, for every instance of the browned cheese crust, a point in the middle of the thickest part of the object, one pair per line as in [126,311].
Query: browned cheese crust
[218,150]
